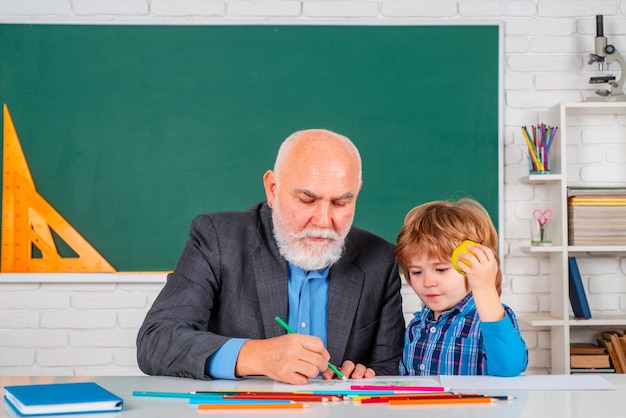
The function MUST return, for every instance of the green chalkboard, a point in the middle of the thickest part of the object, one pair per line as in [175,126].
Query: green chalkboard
[130,131]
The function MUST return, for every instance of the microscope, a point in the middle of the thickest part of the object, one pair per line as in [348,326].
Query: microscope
[607,54]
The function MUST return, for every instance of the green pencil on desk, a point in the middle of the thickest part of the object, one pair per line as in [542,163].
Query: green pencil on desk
[291,331]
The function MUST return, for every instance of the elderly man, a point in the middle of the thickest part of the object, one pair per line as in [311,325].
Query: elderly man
[295,256]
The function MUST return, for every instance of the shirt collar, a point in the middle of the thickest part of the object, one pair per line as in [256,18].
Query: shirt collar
[313,274]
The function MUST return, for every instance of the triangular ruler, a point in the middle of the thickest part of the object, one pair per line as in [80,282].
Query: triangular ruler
[29,221]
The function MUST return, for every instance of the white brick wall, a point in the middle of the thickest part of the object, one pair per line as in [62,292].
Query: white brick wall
[74,328]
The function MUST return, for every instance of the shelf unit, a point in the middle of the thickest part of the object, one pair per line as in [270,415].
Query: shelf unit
[560,320]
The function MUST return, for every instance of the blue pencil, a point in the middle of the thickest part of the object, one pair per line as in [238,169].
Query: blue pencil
[179,395]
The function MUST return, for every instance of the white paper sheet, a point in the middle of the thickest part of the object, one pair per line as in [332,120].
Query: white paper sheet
[336,384]
[529,382]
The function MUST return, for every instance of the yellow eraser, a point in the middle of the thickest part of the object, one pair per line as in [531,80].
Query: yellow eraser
[461,248]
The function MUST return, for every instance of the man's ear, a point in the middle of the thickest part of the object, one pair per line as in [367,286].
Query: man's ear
[269,183]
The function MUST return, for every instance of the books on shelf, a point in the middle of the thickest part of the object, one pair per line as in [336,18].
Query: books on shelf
[615,343]
[577,296]
[596,191]
[590,361]
[61,398]
[596,216]
[586,348]
[589,357]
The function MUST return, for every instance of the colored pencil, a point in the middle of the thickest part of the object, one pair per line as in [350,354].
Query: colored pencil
[388,399]
[531,149]
[253,406]
[432,395]
[250,391]
[196,401]
[334,392]
[398,402]
[291,331]
[401,388]
[551,138]
[185,395]
[351,393]
[292,396]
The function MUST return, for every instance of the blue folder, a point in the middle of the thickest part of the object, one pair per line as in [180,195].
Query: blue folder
[577,295]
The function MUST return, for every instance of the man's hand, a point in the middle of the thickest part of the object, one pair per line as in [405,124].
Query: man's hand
[290,358]
[350,371]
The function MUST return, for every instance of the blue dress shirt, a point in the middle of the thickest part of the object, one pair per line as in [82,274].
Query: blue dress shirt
[308,299]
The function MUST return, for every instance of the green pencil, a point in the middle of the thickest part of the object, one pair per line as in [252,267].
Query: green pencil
[291,331]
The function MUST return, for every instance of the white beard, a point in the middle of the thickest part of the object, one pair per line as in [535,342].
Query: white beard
[304,254]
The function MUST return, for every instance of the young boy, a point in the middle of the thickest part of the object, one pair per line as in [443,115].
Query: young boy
[463,329]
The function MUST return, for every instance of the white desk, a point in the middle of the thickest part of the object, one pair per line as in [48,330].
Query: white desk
[528,404]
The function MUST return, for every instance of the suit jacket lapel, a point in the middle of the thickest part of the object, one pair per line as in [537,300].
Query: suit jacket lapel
[344,292]
[270,271]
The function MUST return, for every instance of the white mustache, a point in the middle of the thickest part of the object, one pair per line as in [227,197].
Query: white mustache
[317,233]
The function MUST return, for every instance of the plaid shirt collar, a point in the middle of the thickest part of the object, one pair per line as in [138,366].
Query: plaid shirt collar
[464,306]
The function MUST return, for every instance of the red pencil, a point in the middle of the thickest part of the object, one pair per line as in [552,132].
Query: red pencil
[387,398]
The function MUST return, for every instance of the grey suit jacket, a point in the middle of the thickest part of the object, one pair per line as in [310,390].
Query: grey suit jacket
[231,281]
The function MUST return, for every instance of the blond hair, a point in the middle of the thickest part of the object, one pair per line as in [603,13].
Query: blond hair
[435,229]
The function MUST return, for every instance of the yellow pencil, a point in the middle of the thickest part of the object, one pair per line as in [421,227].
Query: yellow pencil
[531,148]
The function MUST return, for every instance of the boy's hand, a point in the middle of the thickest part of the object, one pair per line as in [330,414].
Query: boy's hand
[483,269]
[350,371]
[481,276]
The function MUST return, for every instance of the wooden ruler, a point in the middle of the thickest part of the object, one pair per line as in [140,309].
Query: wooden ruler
[29,221]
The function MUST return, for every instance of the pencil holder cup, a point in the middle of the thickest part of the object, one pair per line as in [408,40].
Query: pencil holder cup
[541,233]
[532,167]
[539,140]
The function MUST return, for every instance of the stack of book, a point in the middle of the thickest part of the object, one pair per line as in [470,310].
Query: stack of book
[588,357]
[596,216]
[608,356]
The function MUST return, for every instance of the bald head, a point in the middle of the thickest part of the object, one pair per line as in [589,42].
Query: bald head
[314,145]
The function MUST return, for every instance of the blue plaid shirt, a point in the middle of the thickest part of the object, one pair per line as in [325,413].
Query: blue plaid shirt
[458,343]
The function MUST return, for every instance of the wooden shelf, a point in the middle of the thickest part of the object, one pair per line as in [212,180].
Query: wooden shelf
[611,249]
[595,108]
[598,320]
[543,248]
[542,320]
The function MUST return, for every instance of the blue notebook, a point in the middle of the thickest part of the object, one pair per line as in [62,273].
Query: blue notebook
[577,295]
[61,398]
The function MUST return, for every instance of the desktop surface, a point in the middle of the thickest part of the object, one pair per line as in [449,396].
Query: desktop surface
[534,403]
